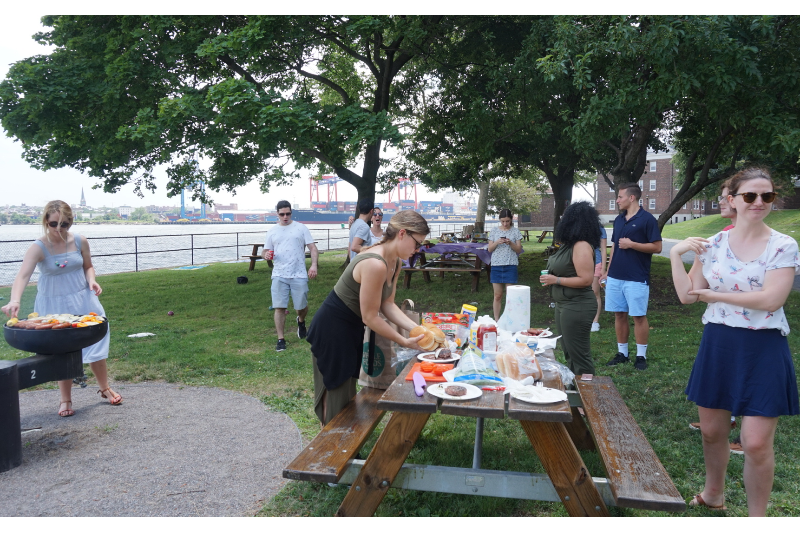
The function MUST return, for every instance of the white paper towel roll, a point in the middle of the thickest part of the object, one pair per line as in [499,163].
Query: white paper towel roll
[517,314]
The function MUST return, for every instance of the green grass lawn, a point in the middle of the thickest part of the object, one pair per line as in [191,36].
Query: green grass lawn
[785,221]
[222,335]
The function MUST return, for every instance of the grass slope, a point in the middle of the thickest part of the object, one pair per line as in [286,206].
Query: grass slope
[785,221]
[222,335]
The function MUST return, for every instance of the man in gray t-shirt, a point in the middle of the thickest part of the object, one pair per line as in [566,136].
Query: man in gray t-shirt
[359,232]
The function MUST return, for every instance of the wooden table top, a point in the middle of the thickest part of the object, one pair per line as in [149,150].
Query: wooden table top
[400,396]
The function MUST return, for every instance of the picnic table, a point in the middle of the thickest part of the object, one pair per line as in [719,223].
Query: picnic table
[461,257]
[526,233]
[255,256]
[556,432]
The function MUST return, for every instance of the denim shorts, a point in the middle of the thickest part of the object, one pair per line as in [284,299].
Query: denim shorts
[504,274]
[627,297]
[281,287]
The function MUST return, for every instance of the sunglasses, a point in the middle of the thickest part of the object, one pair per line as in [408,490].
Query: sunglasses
[419,244]
[54,224]
[379,215]
[750,197]
[285,214]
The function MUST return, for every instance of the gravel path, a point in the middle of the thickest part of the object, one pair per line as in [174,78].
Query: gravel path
[168,450]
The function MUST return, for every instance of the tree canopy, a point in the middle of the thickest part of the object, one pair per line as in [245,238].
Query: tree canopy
[468,99]
[123,94]
[723,90]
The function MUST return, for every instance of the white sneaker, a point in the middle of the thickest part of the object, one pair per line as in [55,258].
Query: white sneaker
[595,326]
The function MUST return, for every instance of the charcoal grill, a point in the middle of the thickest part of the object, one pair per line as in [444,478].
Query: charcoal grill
[57,357]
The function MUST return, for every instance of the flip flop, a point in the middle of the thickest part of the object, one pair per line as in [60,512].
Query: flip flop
[66,411]
[116,399]
[698,501]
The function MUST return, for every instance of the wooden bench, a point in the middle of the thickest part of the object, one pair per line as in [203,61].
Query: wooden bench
[637,477]
[327,457]
[426,274]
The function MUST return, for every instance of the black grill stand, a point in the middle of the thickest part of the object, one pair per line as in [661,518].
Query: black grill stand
[22,374]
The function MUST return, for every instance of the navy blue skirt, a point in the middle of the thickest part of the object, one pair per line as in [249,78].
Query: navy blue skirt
[747,372]
[504,274]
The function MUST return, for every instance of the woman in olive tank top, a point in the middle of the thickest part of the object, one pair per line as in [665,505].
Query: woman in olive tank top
[571,271]
[366,288]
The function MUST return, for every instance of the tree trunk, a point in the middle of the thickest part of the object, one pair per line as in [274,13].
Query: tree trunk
[561,185]
[483,202]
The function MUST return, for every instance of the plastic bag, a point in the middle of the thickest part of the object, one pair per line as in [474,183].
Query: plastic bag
[517,361]
[551,368]
[472,369]
[403,355]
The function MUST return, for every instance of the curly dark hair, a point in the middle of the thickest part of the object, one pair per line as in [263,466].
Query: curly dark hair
[580,222]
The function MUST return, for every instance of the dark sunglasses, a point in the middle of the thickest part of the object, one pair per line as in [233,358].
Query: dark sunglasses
[285,214]
[750,197]
[380,215]
[54,224]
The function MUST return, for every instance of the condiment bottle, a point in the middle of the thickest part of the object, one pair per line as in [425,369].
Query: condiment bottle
[487,337]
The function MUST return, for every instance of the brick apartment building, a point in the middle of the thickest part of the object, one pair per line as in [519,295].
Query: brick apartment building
[658,190]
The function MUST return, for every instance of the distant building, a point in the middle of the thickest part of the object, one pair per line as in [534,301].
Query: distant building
[658,190]
[125,211]
[231,207]
[83,200]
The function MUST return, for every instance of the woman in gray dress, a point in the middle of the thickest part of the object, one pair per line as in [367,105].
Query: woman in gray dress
[66,284]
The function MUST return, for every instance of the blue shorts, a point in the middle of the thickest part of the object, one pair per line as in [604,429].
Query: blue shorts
[504,274]
[627,297]
[281,287]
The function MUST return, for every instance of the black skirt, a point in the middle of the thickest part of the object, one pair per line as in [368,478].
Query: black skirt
[336,336]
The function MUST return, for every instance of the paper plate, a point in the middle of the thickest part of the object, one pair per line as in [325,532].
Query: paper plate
[540,395]
[455,357]
[438,391]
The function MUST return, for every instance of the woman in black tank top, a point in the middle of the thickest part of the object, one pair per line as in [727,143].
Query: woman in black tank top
[365,289]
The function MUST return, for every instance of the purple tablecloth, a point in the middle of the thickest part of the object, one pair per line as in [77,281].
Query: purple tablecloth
[477,248]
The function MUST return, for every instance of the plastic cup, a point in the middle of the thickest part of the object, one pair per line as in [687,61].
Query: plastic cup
[543,273]
[270,254]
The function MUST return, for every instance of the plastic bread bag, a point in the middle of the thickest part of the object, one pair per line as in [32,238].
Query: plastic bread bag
[553,368]
[517,361]
[472,369]
[403,355]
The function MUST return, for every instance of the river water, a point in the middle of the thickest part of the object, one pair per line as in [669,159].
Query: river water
[129,248]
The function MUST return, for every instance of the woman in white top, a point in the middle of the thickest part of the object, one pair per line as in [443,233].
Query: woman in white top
[743,365]
[375,229]
[505,244]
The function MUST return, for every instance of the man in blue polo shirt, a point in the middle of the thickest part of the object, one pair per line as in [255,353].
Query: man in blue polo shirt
[636,238]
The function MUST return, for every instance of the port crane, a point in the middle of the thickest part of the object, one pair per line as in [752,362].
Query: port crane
[327,181]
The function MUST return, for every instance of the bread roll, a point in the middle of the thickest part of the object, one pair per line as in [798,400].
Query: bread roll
[417,331]
[500,361]
[512,366]
[438,335]
[428,342]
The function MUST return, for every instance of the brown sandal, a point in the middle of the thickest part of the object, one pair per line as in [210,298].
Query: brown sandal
[67,411]
[698,501]
[113,397]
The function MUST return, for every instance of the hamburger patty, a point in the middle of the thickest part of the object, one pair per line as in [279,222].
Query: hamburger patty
[455,390]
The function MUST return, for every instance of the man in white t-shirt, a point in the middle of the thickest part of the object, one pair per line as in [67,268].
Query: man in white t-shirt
[285,245]
[360,233]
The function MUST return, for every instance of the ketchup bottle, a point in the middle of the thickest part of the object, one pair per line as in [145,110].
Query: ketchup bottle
[487,337]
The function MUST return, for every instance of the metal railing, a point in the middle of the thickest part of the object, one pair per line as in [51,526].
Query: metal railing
[112,255]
